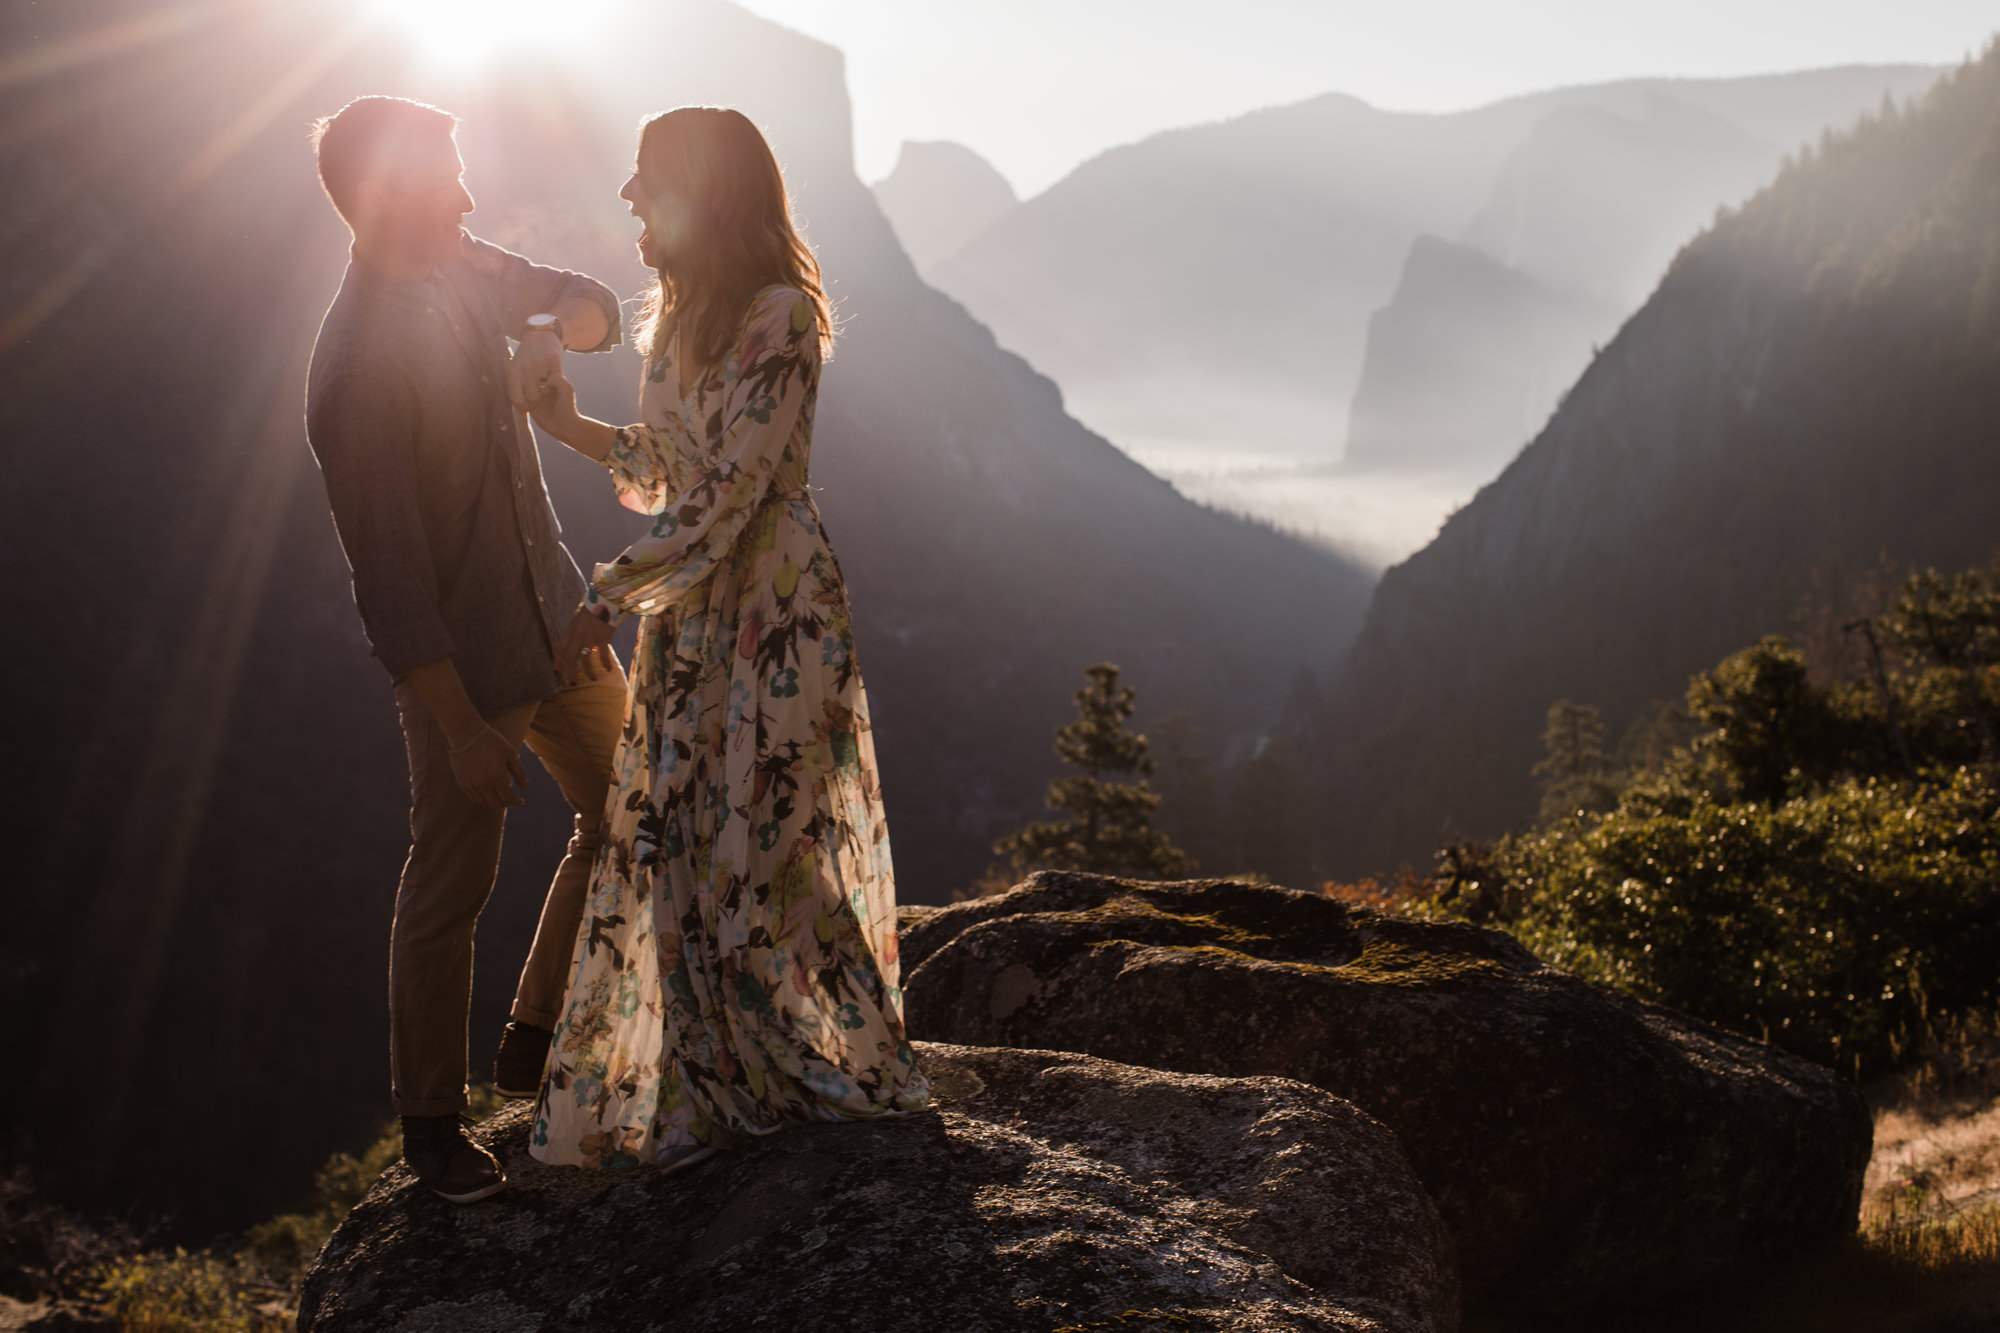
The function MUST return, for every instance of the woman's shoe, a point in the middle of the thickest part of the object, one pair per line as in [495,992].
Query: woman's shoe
[447,1163]
[517,1068]
[680,1159]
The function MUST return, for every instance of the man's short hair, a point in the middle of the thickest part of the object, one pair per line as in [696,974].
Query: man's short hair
[371,137]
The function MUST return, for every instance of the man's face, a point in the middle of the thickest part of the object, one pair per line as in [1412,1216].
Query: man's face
[422,206]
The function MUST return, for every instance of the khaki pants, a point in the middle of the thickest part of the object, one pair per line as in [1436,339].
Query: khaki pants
[454,855]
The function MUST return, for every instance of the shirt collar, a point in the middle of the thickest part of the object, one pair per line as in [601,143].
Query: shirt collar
[412,293]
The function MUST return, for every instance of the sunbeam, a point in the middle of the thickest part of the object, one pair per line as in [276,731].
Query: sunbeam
[61,57]
[58,289]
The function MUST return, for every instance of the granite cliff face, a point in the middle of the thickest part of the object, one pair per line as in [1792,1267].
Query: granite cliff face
[1464,363]
[1814,386]
[1044,1191]
[939,196]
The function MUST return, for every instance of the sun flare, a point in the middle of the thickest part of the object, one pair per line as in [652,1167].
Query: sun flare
[469,32]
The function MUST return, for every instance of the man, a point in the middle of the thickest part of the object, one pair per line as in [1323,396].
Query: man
[468,597]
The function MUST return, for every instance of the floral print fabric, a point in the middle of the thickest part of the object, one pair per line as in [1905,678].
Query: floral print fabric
[736,967]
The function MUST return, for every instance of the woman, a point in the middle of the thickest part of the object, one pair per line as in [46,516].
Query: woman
[736,969]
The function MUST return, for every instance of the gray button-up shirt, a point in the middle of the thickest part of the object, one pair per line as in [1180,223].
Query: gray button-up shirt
[433,475]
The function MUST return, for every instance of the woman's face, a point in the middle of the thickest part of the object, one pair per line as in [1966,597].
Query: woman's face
[664,217]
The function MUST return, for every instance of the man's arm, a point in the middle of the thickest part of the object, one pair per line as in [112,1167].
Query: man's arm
[361,423]
[362,430]
[486,766]
[587,308]
[537,362]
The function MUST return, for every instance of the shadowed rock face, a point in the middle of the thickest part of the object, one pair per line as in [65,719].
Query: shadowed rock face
[1578,1144]
[1047,1190]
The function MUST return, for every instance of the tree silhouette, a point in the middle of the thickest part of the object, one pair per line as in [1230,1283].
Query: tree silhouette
[1110,829]
[1575,771]
[1953,623]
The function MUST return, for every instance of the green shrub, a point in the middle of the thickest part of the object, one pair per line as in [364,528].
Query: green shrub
[1836,924]
[1813,864]
[178,1292]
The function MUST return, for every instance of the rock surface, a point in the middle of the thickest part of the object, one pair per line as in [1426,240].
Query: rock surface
[1578,1144]
[1047,1191]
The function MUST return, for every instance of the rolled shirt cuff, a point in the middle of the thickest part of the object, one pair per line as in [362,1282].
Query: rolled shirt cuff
[407,646]
[614,317]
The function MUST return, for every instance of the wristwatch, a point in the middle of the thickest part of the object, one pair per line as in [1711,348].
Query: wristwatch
[543,324]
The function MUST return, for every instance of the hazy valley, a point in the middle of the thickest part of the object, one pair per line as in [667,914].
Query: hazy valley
[1346,319]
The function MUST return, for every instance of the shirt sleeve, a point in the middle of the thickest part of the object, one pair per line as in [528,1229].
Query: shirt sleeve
[730,460]
[363,432]
[526,289]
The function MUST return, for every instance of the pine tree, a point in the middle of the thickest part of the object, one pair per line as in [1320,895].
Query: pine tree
[1110,827]
[1575,773]
[1954,624]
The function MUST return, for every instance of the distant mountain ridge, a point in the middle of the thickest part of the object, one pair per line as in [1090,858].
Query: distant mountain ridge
[1589,209]
[1205,295]
[1814,385]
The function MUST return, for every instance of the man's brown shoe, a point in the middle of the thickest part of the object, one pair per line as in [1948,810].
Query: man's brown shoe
[447,1163]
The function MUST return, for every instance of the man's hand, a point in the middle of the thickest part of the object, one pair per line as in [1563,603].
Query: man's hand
[585,647]
[536,363]
[489,769]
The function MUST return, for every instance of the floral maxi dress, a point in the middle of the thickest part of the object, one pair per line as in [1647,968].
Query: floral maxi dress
[736,966]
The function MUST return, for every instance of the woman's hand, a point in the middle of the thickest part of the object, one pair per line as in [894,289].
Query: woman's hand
[555,410]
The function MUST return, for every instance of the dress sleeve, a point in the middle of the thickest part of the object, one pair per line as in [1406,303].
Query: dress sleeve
[729,460]
[650,467]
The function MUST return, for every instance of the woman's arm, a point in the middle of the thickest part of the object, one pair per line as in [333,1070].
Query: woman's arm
[556,413]
[766,379]
[649,467]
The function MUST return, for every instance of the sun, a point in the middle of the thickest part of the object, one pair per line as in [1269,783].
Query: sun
[470,32]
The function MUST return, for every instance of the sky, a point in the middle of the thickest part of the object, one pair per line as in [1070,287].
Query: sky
[1038,86]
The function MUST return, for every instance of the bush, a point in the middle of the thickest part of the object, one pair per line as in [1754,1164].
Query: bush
[1838,925]
[178,1292]
[1813,864]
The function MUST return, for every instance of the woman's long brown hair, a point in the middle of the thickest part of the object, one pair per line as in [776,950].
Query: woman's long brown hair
[740,236]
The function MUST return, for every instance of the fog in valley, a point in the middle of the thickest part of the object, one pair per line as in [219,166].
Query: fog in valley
[1345,320]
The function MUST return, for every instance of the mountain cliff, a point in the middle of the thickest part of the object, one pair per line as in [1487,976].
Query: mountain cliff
[210,844]
[1465,362]
[939,196]
[1815,383]
[1585,214]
